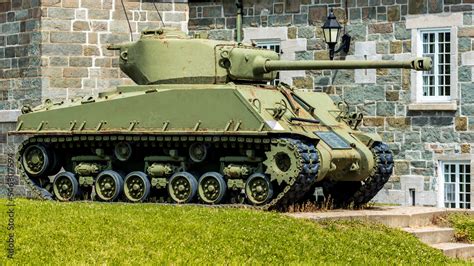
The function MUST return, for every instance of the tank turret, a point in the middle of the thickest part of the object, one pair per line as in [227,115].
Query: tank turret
[167,56]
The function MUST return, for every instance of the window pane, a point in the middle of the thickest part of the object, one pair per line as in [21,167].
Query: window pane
[436,46]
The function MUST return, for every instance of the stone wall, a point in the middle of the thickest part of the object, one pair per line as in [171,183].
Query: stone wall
[20,72]
[418,135]
[56,49]
[75,35]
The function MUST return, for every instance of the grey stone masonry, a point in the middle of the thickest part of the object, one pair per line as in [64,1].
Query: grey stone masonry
[418,133]
[56,49]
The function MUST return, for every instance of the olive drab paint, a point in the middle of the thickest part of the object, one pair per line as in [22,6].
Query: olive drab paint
[197,90]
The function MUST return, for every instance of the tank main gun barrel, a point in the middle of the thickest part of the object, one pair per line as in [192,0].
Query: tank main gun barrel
[266,66]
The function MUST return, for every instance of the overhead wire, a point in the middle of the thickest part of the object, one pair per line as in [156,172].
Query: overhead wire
[128,21]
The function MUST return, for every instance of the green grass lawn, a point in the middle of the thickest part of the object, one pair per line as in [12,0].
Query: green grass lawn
[463,224]
[95,233]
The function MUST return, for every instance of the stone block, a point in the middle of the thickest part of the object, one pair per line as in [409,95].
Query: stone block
[121,26]
[65,82]
[392,95]
[306,32]
[174,16]
[61,49]
[81,26]
[91,4]
[292,6]
[52,72]
[107,73]
[300,19]
[369,13]
[58,61]
[417,6]
[90,50]
[355,13]
[278,8]
[61,13]
[48,3]
[401,123]
[385,109]
[99,26]
[365,94]
[435,6]
[210,11]
[401,167]
[467,93]
[225,35]
[70,3]
[460,123]
[317,14]
[103,62]
[393,13]
[68,37]
[303,82]
[373,121]
[280,20]
[99,14]
[441,121]
[80,62]
[55,25]
[75,72]
[381,28]
[395,47]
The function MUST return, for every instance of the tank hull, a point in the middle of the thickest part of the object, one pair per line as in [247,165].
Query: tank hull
[292,140]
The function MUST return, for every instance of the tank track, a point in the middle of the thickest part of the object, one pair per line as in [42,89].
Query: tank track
[344,194]
[289,194]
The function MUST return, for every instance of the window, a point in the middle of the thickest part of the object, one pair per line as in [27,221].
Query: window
[436,36]
[436,85]
[271,44]
[457,184]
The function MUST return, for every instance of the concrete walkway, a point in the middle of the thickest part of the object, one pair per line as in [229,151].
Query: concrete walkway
[415,220]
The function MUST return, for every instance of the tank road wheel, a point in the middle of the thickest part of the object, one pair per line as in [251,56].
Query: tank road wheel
[258,189]
[65,186]
[283,162]
[212,187]
[35,160]
[182,187]
[137,186]
[108,185]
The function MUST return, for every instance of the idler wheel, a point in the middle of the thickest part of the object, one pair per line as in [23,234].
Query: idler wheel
[212,187]
[65,186]
[182,187]
[108,185]
[36,160]
[258,189]
[137,186]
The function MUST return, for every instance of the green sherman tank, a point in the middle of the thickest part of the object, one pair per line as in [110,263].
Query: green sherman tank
[202,125]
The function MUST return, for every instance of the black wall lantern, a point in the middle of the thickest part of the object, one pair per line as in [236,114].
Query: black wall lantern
[331,29]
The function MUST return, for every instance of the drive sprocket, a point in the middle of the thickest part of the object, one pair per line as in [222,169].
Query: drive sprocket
[283,162]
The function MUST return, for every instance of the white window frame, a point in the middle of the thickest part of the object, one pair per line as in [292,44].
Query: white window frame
[289,46]
[441,187]
[418,24]
[267,44]
[419,74]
